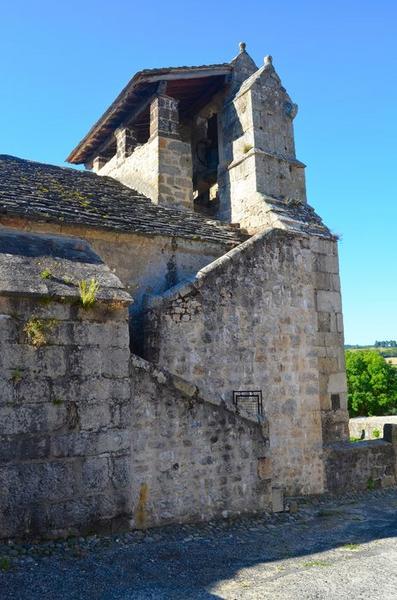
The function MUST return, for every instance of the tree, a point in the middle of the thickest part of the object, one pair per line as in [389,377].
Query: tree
[372,384]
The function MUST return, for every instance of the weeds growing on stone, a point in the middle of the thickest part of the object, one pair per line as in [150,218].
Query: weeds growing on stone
[16,375]
[37,329]
[351,546]
[376,433]
[370,484]
[46,274]
[88,291]
[316,563]
[5,563]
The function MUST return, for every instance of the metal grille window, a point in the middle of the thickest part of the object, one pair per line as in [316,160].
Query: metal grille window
[249,400]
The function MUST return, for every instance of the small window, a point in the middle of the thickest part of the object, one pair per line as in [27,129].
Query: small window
[335,401]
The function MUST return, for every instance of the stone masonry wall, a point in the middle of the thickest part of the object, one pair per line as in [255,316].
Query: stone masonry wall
[359,466]
[64,419]
[145,264]
[249,322]
[175,173]
[330,340]
[161,169]
[138,171]
[192,459]
[372,427]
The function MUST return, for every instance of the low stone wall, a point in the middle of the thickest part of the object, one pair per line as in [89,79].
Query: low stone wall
[191,459]
[359,465]
[64,417]
[371,426]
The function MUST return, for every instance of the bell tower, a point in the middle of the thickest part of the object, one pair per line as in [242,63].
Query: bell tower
[262,170]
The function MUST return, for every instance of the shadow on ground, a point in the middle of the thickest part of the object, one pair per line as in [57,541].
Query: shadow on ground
[245,559]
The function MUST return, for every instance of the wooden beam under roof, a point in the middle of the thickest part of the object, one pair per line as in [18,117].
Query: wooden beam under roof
[188,74]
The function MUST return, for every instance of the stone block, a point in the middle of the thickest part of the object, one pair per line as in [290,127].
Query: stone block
[31,418]
[390,433]
[328,301]
[8,329]
[277,499]
[264,468]
[337,383]
[116,363]
[95,474]
[121,471]
[388,481]
[339,323]
[89,443]
[86,361]
[94,417]
[8,386]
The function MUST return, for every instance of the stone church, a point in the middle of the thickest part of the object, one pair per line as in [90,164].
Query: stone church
[171,326]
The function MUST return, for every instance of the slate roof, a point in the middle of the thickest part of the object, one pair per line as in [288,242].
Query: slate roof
[42,192]
[66,260]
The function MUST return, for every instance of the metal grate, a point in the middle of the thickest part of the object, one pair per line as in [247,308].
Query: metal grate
[249,400]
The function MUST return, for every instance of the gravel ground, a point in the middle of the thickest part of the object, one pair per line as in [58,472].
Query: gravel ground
[330,549]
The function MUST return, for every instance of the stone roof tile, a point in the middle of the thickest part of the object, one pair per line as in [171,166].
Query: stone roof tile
[42,192]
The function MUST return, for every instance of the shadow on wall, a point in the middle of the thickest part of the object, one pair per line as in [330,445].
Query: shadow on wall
[35,246]
[232,131]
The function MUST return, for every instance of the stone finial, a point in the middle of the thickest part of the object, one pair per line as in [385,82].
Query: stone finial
[268,60]
[242,46]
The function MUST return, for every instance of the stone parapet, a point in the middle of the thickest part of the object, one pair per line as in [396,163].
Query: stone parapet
[369,427]
[193,458]
[359,465]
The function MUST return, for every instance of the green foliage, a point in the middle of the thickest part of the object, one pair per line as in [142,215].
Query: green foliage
[351,546]
[370,484]
[88,291]
[46,274]
[16,375]
[5,563]
[376,433]
[316,563]
[389,350]
[372,384]
[37,329]
[386,344]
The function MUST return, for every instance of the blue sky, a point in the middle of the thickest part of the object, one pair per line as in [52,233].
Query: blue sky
[63,63]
